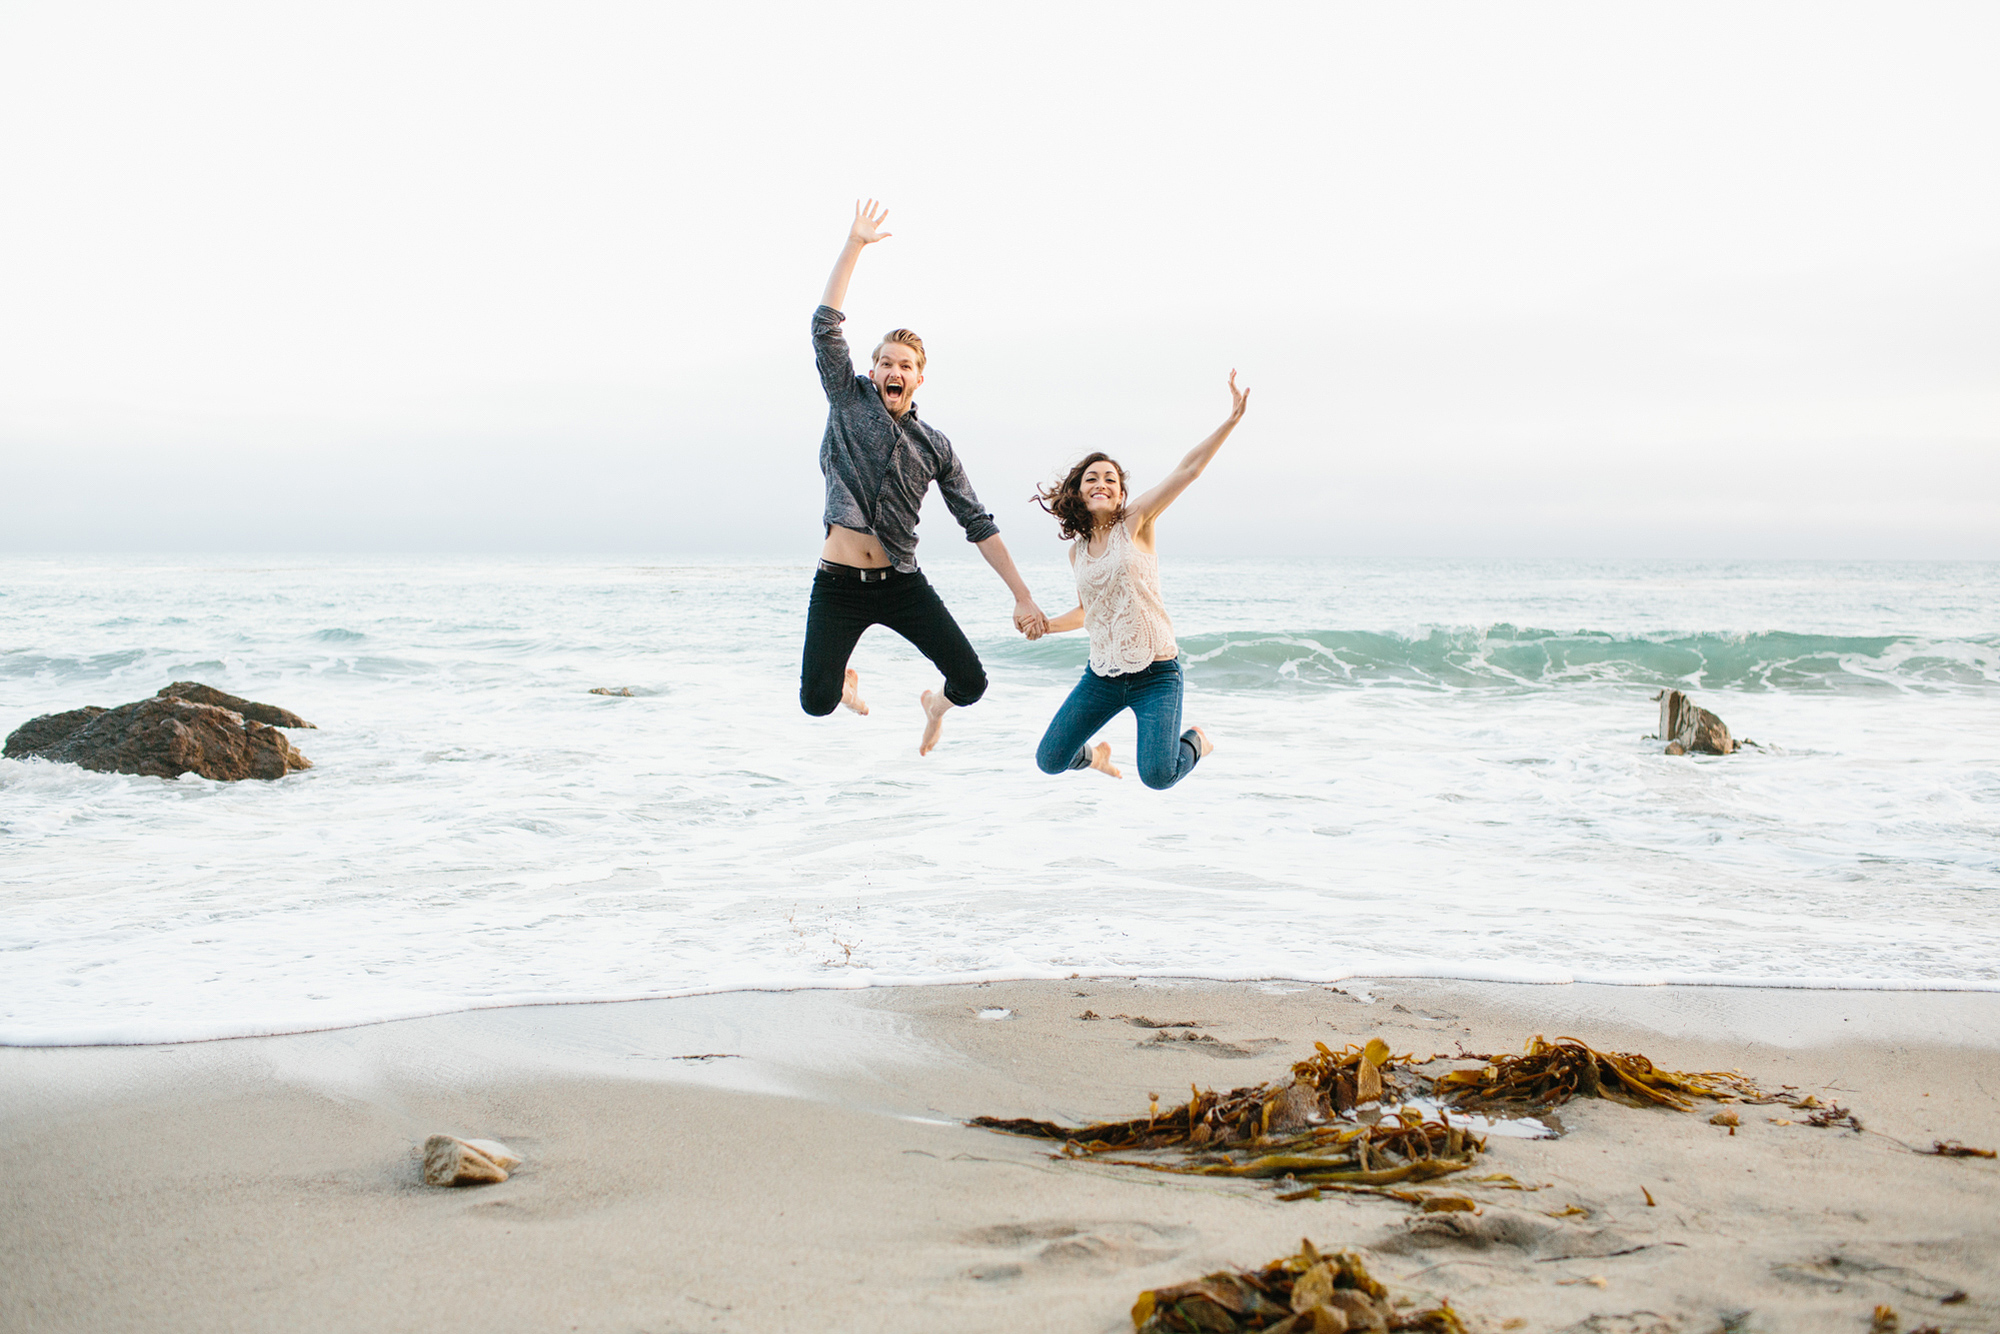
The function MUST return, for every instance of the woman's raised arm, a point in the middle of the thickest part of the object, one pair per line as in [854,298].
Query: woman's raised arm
[1145,508]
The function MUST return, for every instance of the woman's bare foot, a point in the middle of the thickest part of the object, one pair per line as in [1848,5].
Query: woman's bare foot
[1100,759]
[850,691]
[935,706]
[1202,745]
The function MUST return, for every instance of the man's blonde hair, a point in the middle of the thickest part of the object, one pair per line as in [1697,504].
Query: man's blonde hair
[907,338]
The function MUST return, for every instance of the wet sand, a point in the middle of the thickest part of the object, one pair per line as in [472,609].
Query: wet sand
[811,1173]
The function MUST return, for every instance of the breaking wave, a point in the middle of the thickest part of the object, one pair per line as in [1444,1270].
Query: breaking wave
[1503,656]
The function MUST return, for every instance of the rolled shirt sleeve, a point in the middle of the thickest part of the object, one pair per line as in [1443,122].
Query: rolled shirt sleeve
[959,498]
[836,364]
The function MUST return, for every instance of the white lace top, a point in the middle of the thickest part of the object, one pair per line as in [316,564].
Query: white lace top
[1120,592]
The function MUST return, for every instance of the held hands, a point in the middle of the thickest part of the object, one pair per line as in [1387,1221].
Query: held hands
[1241,397]
[868,220]
[1028,619]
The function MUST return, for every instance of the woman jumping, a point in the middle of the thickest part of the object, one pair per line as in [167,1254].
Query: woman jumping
[1134,662]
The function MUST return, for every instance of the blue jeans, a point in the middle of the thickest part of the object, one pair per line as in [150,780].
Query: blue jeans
[1166,753]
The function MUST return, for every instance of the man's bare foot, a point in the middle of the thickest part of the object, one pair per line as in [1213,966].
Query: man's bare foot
[1100,759]
[850,691]
[1202,745]
[935,706]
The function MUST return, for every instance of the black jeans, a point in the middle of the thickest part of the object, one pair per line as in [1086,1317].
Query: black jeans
[842,607]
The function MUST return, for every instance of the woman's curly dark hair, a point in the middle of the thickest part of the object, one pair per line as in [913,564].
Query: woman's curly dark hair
[1065,498]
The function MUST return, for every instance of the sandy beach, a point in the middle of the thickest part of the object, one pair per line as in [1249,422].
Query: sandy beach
[797,1161]
[1015,717]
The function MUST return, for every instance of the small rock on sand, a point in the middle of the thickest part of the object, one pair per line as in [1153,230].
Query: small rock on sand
[451,1161]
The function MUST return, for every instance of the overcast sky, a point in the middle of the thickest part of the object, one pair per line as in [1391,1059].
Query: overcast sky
[1550,279]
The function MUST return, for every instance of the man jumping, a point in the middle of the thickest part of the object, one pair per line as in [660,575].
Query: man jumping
[879,460]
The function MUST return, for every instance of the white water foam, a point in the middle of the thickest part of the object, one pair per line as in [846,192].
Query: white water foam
[479,830]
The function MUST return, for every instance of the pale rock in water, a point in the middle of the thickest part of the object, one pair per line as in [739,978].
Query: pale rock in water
[451,1161]
[1689,729]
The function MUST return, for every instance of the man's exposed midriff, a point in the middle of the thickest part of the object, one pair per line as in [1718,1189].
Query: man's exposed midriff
[848,546]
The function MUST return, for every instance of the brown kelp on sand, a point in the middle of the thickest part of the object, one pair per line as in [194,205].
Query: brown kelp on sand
[1548,1074]
[1282,1130]
[1292,1130]
[1307,1293]
[1328,1082]
[1951,1148]
[1396,1150]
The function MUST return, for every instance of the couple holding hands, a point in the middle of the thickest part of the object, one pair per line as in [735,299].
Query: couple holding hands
[880,459]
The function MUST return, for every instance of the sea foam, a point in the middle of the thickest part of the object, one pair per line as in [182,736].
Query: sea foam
[1410,780]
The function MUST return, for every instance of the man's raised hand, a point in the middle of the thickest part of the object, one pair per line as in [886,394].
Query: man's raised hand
[866,231]
[868,220]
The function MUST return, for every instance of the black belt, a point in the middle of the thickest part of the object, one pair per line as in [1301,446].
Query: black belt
[878,575]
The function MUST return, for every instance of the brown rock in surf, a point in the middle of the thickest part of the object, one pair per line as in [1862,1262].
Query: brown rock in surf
[268,714]
[37,736]
[165,737]
[1689,729]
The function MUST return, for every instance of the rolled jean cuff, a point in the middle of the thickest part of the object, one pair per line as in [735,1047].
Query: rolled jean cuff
[963,698]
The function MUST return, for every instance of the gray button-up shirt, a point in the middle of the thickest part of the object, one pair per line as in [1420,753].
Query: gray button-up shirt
[878,468]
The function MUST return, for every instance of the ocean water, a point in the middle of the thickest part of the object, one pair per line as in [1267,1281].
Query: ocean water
[1423,768]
